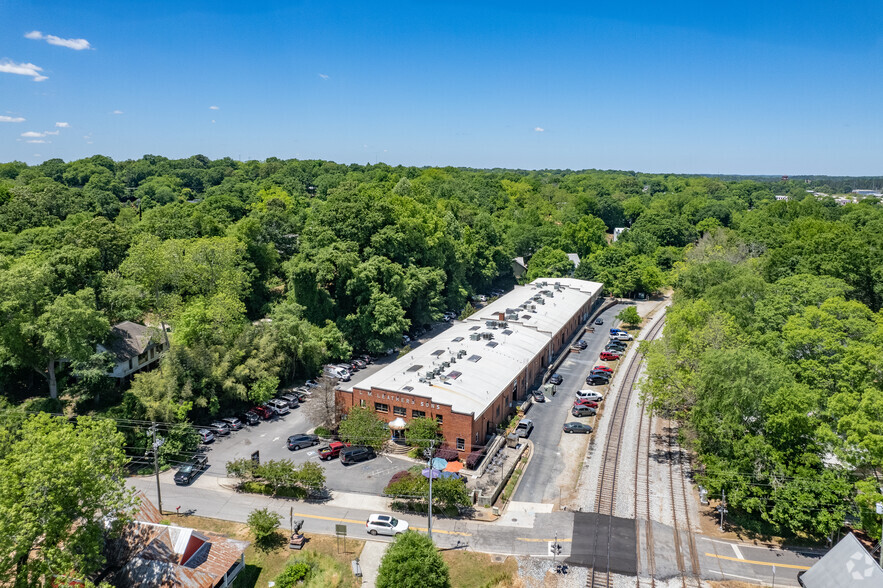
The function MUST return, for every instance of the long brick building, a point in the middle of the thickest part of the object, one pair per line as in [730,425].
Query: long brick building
[469,376]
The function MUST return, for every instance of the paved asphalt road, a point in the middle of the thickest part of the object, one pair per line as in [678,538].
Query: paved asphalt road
[548,417]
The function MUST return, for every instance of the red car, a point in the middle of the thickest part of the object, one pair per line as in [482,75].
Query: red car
[602,368]
[609,356]
[331,450]
[585,402]
[263,412]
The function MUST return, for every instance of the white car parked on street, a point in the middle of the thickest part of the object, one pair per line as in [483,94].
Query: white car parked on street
[621,336]
[380,524]
[589,395]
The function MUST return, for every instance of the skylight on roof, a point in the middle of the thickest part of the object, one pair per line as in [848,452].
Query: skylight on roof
[475,328]
[414,368]
[437,352]
[457,339]
[507,332]
[454,375]
[492,344]
[474,358]
[408,389]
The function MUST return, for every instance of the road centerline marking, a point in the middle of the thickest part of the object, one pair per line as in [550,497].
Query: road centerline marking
[759,563]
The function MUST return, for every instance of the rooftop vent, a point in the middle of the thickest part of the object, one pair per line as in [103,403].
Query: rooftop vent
[474,336]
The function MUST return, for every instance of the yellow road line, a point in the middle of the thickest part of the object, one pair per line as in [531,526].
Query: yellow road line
[759,563]
[337,520]
[542,540]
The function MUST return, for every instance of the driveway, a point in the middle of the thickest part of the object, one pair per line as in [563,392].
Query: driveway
[548,417]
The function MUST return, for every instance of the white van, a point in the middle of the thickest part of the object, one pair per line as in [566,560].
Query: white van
[589,395]
[333,371]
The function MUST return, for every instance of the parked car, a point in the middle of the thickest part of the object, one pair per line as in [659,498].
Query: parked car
[524,428]
[314,383]
[617,343]
[206,436]
[250,418]
[585,402]
[302,440]
[609,356]
[366,358]
[378,524]
[234,423]
[577,428]
[220,428]
[353,367]
[583,411]
[406,339]
[615,331]
[360,363]
[333,371]
[538,396]
[598,375]
[189,470]
[332,450]
[291,398]
[622,336]
[599,321]
[589,395]
[597,381]
[581,344]
[556,379]
[356,454]
[602,368]
[263,411]
[280,406]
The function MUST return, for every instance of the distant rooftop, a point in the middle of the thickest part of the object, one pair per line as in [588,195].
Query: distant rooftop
[468,365]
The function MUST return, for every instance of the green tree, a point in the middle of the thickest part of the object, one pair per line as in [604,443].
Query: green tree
[264,525]
[423,432]
[548,263]
[61,484]
[629,315]
[363,427]
[412,561]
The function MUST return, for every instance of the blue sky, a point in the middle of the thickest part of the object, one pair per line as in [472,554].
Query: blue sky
[689,87]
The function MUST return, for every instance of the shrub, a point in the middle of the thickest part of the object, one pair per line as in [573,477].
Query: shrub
[447,453]
[397,476]
[263,525]
[296,572]
[413,560]
[324,432]
[474,458]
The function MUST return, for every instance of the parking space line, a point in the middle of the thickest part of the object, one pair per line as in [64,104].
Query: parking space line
[759,563]
[275,439]
[738,551]
[528,539]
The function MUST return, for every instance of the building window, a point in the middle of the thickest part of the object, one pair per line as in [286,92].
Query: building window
[418,414]
[130,363]
[399,411]
[498,410]
[439,419]
[142,358]
[362,403]
[461,444]
[380,407]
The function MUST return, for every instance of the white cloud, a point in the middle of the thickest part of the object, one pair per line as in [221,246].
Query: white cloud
[36,134]
[325,76]
[214,108]
[75,44]
[539,129]
[37,141]
[22,69]
[63,125]
[12,119]
[117,112]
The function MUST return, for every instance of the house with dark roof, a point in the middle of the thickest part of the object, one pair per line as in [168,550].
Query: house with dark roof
[134,347]
[151,554]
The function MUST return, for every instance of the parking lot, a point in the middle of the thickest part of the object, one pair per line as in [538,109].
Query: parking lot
[270,437]
[548,460]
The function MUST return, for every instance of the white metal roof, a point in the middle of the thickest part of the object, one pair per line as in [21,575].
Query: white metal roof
[480,368]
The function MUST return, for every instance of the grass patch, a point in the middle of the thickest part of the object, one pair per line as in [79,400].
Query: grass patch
[480,570]
[331,568]
[513,479]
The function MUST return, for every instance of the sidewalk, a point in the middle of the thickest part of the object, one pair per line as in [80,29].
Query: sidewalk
[372,553]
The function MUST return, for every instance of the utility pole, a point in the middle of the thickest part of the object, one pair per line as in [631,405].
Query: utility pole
[429,526]
[157,443]
[723,507]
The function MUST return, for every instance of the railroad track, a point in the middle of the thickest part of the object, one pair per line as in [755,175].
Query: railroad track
[599,574]
[681,512]
[642,494]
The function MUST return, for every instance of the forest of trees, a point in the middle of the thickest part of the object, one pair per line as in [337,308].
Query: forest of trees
[263,271]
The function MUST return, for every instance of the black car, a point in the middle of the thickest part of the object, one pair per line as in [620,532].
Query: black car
[596,381]
[614,347]
[357,454]
[599,374]
[581,344]
[366,358]
[556,379]
[250,418]
[302,440]
[577,428]
[189,470]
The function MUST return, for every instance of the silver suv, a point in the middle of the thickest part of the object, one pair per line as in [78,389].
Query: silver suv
[280,406]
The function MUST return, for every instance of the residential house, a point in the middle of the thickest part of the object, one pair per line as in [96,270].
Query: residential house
[134,347]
